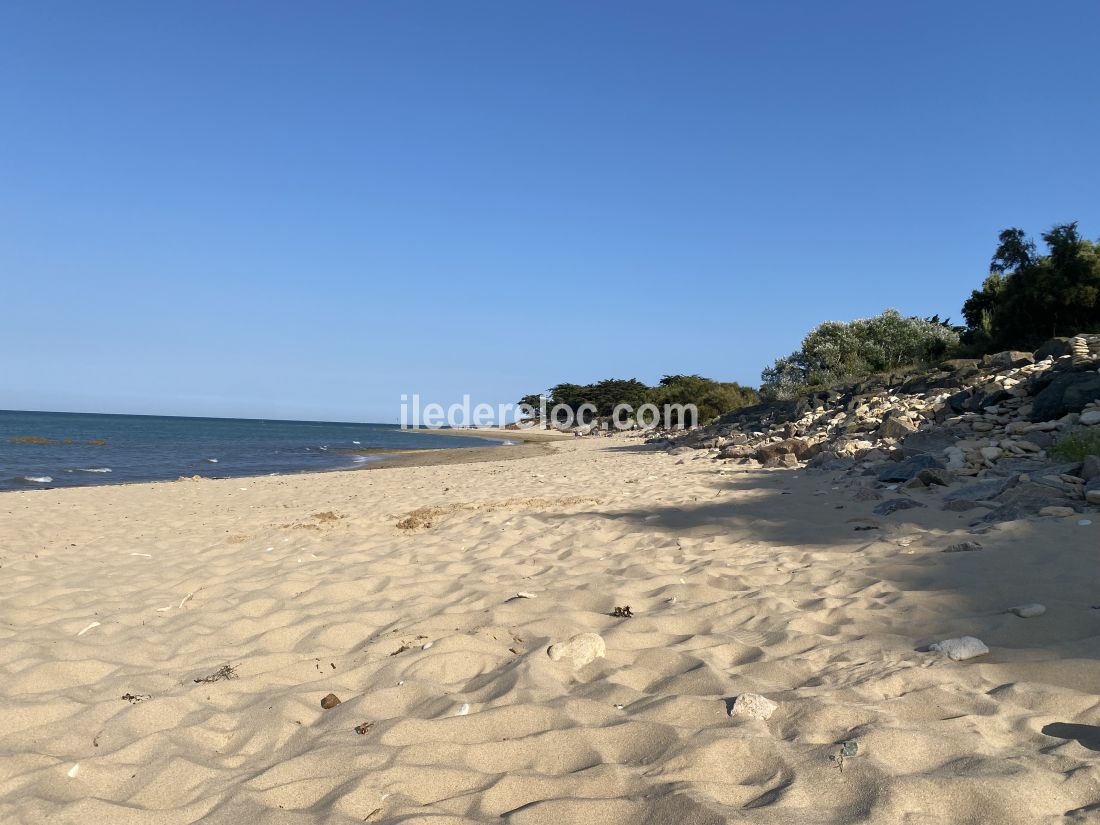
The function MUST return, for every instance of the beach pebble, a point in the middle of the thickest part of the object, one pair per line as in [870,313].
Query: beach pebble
[754,706]
[963,547]
[1028,611]
[463,709]
[330,701]
[73,771]
[1056,512]
[523,594]
[965,647]
[582,649]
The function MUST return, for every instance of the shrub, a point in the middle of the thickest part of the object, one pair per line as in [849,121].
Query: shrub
[1077,446]
[837,351]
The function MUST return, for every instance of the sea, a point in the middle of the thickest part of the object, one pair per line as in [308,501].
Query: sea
[53,449]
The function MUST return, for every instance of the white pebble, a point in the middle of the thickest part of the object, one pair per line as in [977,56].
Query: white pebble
[426,645]
[462,711]
[74,770]
[89,627]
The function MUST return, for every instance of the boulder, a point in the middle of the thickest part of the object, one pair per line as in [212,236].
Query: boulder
[795,446]
[1007,360]
[1067,393]
[982,490]
[1054,348]
[1090,468]
[909,468]
[895,428]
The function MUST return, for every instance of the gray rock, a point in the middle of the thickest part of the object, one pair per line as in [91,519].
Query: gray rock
[936,476]
[1069,392]
[909,468]
[892,505]
[1090,468]
[982,490]
[681,451]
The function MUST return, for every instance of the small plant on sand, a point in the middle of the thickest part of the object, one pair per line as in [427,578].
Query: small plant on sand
[1077,446]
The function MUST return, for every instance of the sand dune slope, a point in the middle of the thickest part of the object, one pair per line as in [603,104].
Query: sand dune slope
[118,601]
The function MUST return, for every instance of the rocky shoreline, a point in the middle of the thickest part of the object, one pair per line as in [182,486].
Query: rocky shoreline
[984,428]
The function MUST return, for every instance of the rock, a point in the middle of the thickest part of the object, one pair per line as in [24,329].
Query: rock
[1007,360]
[1069,392]
[891,505]
[991,453]
[754,706]
[330,701]
[982,490]
[959,505]
[909,468]
[582,649]
[1090,418]
[965,647]
[963,547]
[1028,611]
[1056,512]
[936,476]
[894,428]
[1090,468]
[1054,348]
[866,494]
[681,451]
[771,452]
[1092,496]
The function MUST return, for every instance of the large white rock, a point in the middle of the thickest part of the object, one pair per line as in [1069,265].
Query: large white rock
[965,647]
[582,649]
[754,706]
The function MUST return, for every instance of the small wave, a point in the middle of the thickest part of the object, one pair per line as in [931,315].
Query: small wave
[93,469]
[355,442]
[35,479]
[212,460]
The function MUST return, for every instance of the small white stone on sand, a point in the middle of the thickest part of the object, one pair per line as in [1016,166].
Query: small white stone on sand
[74,770]
[523,594]
[426,645]
[965,647]
[145,555]
[89,627]
[1028,611]
[754,706]
[463,710]
[582,649]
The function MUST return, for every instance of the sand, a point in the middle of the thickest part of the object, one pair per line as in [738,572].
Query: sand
[115,600]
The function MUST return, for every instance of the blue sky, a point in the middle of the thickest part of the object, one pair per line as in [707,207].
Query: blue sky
[304,210]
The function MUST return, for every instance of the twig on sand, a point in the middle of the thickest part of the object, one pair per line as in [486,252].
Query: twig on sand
[223,672]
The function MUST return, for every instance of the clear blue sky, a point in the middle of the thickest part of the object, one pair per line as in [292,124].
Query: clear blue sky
[304,210]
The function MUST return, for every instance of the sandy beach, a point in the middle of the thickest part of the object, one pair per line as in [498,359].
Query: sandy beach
[167,647]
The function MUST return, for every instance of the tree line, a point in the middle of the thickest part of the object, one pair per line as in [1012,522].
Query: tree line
[1027,298]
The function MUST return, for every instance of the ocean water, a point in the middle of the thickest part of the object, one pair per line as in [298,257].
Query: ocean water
[46,449]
